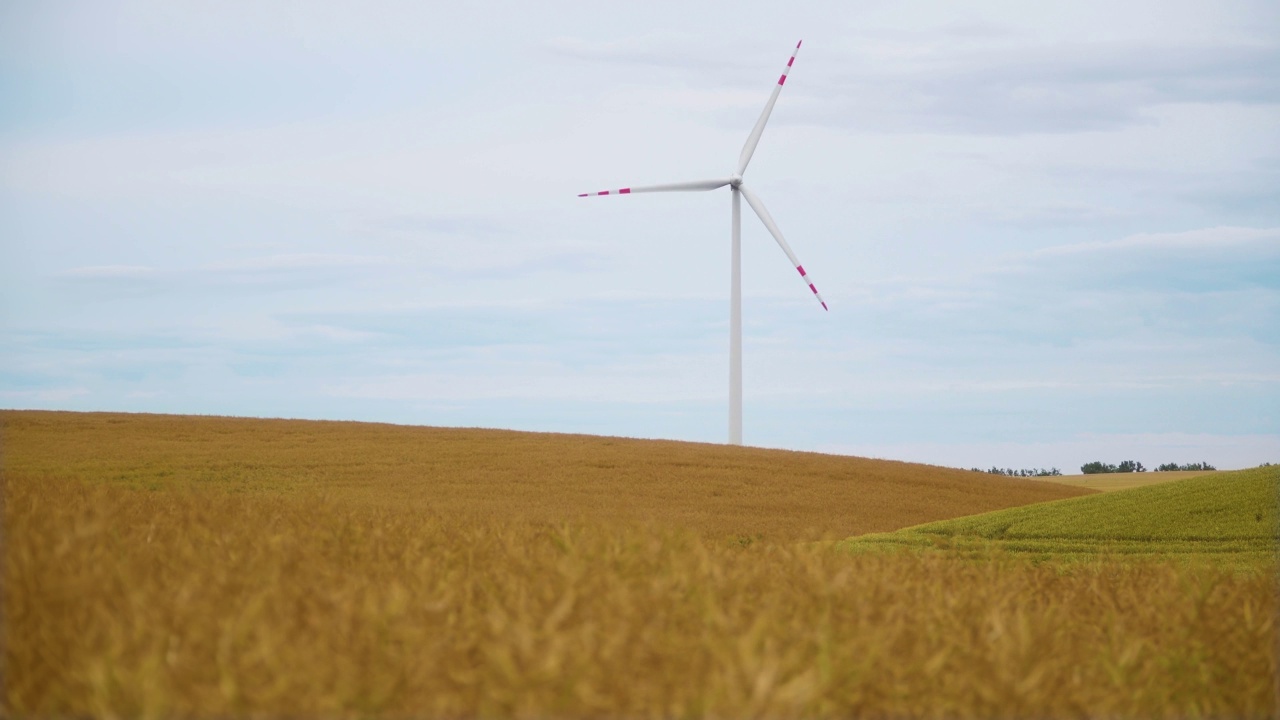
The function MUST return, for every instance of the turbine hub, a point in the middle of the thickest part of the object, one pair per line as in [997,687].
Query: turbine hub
[735,180]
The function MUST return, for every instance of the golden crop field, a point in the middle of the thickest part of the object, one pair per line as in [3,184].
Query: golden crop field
[714,490]
[160,567]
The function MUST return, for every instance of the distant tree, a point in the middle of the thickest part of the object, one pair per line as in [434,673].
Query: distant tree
[1130,466]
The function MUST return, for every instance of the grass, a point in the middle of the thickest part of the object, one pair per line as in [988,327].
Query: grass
[1231,513]
[159,567]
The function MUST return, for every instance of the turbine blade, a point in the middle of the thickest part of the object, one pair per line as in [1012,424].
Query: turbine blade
[753,139]
[767,219]
[694,185]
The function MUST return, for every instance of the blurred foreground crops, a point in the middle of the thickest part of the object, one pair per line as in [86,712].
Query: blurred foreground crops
[133,603]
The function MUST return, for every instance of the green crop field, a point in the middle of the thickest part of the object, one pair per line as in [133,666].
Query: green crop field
[1227,513]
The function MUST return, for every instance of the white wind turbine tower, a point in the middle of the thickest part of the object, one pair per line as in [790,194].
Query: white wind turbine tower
[735,184]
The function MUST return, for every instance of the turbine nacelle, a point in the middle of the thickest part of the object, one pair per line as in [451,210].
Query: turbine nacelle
[735,181]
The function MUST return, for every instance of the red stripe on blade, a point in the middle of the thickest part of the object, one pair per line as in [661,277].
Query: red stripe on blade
[782,80]
[624,191]
[824,307]
[793,59]
[583,194]
[801,269]
[798,44]
[814,289]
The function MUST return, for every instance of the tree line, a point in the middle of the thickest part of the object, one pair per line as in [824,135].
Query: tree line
[1093,468]
[1096,467]
[1033,472]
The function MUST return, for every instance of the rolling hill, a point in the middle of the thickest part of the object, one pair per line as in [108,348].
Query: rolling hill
[714,490]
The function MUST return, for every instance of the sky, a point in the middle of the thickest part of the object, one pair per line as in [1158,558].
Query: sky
[1048,234]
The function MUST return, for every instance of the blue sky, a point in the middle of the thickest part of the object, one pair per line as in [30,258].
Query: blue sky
[1048,235]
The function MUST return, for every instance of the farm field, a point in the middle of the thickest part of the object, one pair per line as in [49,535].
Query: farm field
[1107,482]
[713,490]
[1231,514]
[159,566]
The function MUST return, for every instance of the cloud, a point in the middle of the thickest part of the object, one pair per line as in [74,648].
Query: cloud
[961,78]
[1020,88]
[1196,261]
[654,380]
[43,397]
[297,261]
[1058,215]
[268,271]
[1170,312]
[415,224]
[1207,239]
[109,272]
[668,50]
[582,329]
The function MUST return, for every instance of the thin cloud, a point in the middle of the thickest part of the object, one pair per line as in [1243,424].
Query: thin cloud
[268,270]
[298,261]
[1065,88]
[37,398]
[1174,291]
[677,51]
[1239,239]
[471,226]
[1203,260]
[109,272]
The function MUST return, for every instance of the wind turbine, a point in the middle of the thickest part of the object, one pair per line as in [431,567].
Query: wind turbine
[739,190]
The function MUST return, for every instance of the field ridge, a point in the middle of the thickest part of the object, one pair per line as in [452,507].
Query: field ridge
[717,490]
